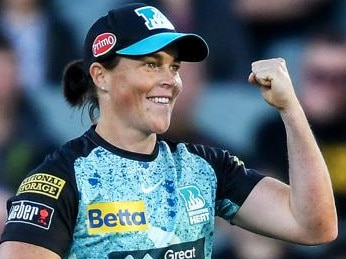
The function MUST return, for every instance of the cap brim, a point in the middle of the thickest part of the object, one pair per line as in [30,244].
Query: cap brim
[191,47]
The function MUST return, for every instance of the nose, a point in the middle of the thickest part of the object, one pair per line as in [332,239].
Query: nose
[170,78]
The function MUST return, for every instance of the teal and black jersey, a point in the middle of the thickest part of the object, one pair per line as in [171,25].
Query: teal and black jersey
[90,199]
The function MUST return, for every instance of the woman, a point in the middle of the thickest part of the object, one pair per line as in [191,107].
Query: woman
[119,191]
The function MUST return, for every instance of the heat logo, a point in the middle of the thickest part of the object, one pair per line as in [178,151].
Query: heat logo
[103,43]
[154,19]
[112,217]
[195,204]
[29,212]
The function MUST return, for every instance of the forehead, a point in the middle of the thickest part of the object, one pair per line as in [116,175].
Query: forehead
[170,51]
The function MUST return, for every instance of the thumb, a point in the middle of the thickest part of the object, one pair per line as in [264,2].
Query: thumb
[252,78]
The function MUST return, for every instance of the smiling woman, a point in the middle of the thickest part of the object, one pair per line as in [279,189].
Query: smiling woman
[138,95]
[122,191]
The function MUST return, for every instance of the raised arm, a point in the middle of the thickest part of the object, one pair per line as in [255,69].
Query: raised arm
[303,212]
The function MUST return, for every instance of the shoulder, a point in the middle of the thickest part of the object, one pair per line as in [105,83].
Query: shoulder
[217,157]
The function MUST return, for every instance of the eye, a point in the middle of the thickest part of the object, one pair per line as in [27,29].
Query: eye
[175,67]
[151,65]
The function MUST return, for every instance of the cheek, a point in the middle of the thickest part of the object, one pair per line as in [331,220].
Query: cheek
[124,101]
[125,93]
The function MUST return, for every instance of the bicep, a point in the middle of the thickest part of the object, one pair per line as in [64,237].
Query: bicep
[267,211]
[20,250]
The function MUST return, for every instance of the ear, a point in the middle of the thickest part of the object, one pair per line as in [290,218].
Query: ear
[97,73]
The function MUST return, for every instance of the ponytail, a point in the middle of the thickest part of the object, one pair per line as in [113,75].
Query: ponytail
[75,83]
[79,89]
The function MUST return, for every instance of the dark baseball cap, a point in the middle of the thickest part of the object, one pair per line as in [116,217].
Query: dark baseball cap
[137,30]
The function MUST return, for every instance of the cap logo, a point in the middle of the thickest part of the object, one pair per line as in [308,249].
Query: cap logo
[103,44]
[153,18]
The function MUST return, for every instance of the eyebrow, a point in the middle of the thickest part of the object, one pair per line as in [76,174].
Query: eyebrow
[157,55]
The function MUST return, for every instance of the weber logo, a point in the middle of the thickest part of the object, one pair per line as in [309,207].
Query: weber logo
[188,250]
[29,212]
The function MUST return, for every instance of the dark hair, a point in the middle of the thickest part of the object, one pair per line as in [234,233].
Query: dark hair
[78,87]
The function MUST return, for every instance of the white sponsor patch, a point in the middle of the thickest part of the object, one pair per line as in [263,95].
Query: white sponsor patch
[30,212]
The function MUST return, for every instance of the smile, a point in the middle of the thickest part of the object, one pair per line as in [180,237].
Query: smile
[160,100]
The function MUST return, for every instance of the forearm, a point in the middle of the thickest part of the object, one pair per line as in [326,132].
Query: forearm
[306,208]
[311,196]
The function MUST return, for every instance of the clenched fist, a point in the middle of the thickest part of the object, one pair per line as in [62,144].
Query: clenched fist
[272,77]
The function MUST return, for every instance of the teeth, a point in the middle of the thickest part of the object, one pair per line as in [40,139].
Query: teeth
[162,100]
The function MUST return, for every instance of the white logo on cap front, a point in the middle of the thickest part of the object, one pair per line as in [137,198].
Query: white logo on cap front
[103,43]
[154,19]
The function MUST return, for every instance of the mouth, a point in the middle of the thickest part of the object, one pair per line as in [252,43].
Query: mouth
[160,100]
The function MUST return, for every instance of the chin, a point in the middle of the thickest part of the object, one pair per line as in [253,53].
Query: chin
[160,126]
[161,129]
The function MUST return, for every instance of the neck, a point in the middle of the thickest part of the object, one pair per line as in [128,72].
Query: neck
[127,139]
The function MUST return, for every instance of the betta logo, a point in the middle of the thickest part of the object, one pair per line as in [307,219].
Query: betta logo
[112,217]
[103,44]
